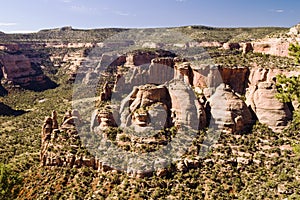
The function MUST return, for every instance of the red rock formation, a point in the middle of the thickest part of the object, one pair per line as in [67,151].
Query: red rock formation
[236,77]
[277,46]
[137,59]
[231,46]
[272,46]
[145,57]
[160,70]
[260,96]
[228,112]
[268,109]
[184,72]
[246,47]
[212,76]
[18,70]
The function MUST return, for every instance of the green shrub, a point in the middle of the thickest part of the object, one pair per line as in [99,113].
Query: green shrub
[9,182]
[294,50]
[288,88]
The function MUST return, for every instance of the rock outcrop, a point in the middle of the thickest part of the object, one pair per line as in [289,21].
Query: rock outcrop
[268,109]
[294,31]
[18,70]
[228,111]
[235,77]
[157,95]
[60,145]
[140,58]
[186,108]
[3,91]
[231,46]
[158,71]
[148,108]
[242,80]
[272,46]
[212,75]
[276,46]
[260,97]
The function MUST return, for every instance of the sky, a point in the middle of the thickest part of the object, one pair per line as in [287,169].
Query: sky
[34,15]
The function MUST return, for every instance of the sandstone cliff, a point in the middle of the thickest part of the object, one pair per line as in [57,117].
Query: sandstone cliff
[242,81]
[274,45]
[19,70]
[162,93]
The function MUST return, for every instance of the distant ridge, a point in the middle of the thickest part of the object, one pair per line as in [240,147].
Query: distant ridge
[199,33]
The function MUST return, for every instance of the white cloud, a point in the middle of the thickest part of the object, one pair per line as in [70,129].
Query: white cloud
[67,1]
[7,24]
[121,13]
[82,9]
[181,1]
[277,10]
[20,31]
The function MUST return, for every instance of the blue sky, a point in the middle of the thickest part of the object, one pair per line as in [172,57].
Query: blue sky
[33,15]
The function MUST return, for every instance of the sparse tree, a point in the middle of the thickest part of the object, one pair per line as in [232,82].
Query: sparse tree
[294,50]
[288,88]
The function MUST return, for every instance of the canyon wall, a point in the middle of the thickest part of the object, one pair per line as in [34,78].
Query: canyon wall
[21,70]
[255,86]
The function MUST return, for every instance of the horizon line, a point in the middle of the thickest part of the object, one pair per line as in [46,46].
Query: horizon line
[132,27]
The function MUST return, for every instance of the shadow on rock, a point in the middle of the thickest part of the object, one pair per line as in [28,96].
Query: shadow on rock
[37,86]
[3,91]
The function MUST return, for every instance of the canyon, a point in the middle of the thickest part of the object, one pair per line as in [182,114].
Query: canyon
[226,99]
[221,117]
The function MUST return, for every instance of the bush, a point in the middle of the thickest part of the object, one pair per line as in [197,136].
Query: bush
[294,50]
[288,88]
[9,182]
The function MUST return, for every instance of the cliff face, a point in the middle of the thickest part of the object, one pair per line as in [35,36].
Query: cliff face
[273,46]
[260,97]
[228,98]
[277,46]
[3,91]
[25,71]
[18,69]
[170,97]
[257,85]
